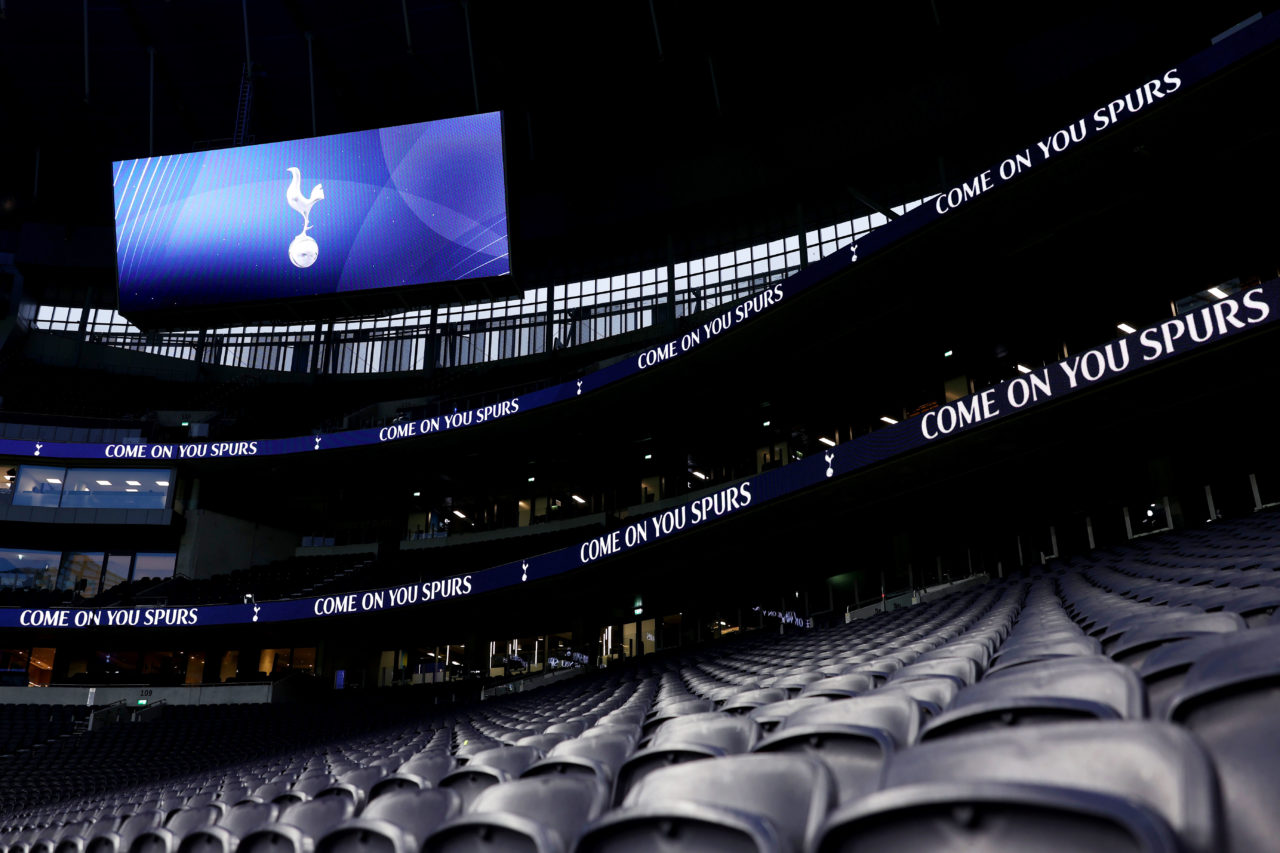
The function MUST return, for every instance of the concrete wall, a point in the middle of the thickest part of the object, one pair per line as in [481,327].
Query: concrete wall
[215,544]
[196,694]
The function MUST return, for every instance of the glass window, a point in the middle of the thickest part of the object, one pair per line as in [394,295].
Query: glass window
[304,660]
[157,566]
[40,669]
[13,667]
[229,667]
[21,569]
[39,486]
[120,488]
[117,571]
[195,668]
[81,571]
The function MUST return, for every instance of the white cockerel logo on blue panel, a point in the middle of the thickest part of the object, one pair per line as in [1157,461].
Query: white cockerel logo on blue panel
[304,250]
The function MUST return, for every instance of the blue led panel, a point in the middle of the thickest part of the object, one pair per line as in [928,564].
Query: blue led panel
[408,205]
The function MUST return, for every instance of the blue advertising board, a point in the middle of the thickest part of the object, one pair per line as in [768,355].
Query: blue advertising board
[392,207]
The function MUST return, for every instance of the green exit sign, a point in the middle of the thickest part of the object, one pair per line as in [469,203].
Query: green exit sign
[142,701]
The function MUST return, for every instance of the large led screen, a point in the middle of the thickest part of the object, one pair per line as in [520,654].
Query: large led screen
[408,205]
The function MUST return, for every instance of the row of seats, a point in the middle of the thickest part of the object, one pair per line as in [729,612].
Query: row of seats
[23,726]
[1120,701]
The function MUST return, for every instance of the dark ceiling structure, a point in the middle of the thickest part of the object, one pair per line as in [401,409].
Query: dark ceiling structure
[638,131]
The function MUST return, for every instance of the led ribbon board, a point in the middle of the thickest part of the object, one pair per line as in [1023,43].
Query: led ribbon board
[407,205]
[1169,83]
[1234,315]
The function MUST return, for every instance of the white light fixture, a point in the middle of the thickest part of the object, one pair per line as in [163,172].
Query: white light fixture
[132,483]
[828,442]
[1126,328]
[53,480]
[577,499]
[1022,368]
[1217,293]
[458,513]
[948,354]
[103,482]
[162,482]
[766,423]
[699,475]
[648,456]
[890,421]
[531,479]
[131,490]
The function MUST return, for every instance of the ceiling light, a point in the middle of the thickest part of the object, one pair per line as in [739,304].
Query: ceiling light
[1217,293]
[948,353]
[132,483]
[417,494]
[1022,368]
[162,482]
[458,513]
[530,479]
[103,482]
[828,442]
[890,421]
[577,499]
[131,490]
[699,475]
[766,423]
[53,480]
[1126,328]
[648,456]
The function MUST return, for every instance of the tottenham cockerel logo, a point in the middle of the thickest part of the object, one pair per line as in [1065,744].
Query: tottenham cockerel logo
[304,250]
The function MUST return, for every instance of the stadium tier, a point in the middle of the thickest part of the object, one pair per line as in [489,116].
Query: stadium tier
[466,426]
[1118,700]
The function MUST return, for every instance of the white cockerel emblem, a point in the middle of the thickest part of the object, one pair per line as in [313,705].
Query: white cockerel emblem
[304,250]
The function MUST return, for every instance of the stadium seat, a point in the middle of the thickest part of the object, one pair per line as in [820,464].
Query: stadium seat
[298,827]
[852,737]
[688,738]
[600,756]
[398,822]
[165,839]
[1230,700]
[490,767]
[760,803]
[224,836]
[1048,691]
[543,814]
[1101,786]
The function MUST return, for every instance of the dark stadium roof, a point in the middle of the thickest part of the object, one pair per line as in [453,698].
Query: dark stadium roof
[634,129]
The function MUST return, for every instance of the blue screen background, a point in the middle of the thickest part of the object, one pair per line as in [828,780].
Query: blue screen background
[405,205]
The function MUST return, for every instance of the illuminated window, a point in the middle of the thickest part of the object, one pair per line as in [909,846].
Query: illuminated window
[26,569]
[107,488]
[81,572]
[39,486]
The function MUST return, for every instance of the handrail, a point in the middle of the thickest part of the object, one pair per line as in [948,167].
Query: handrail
[138,711]
[111,708]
